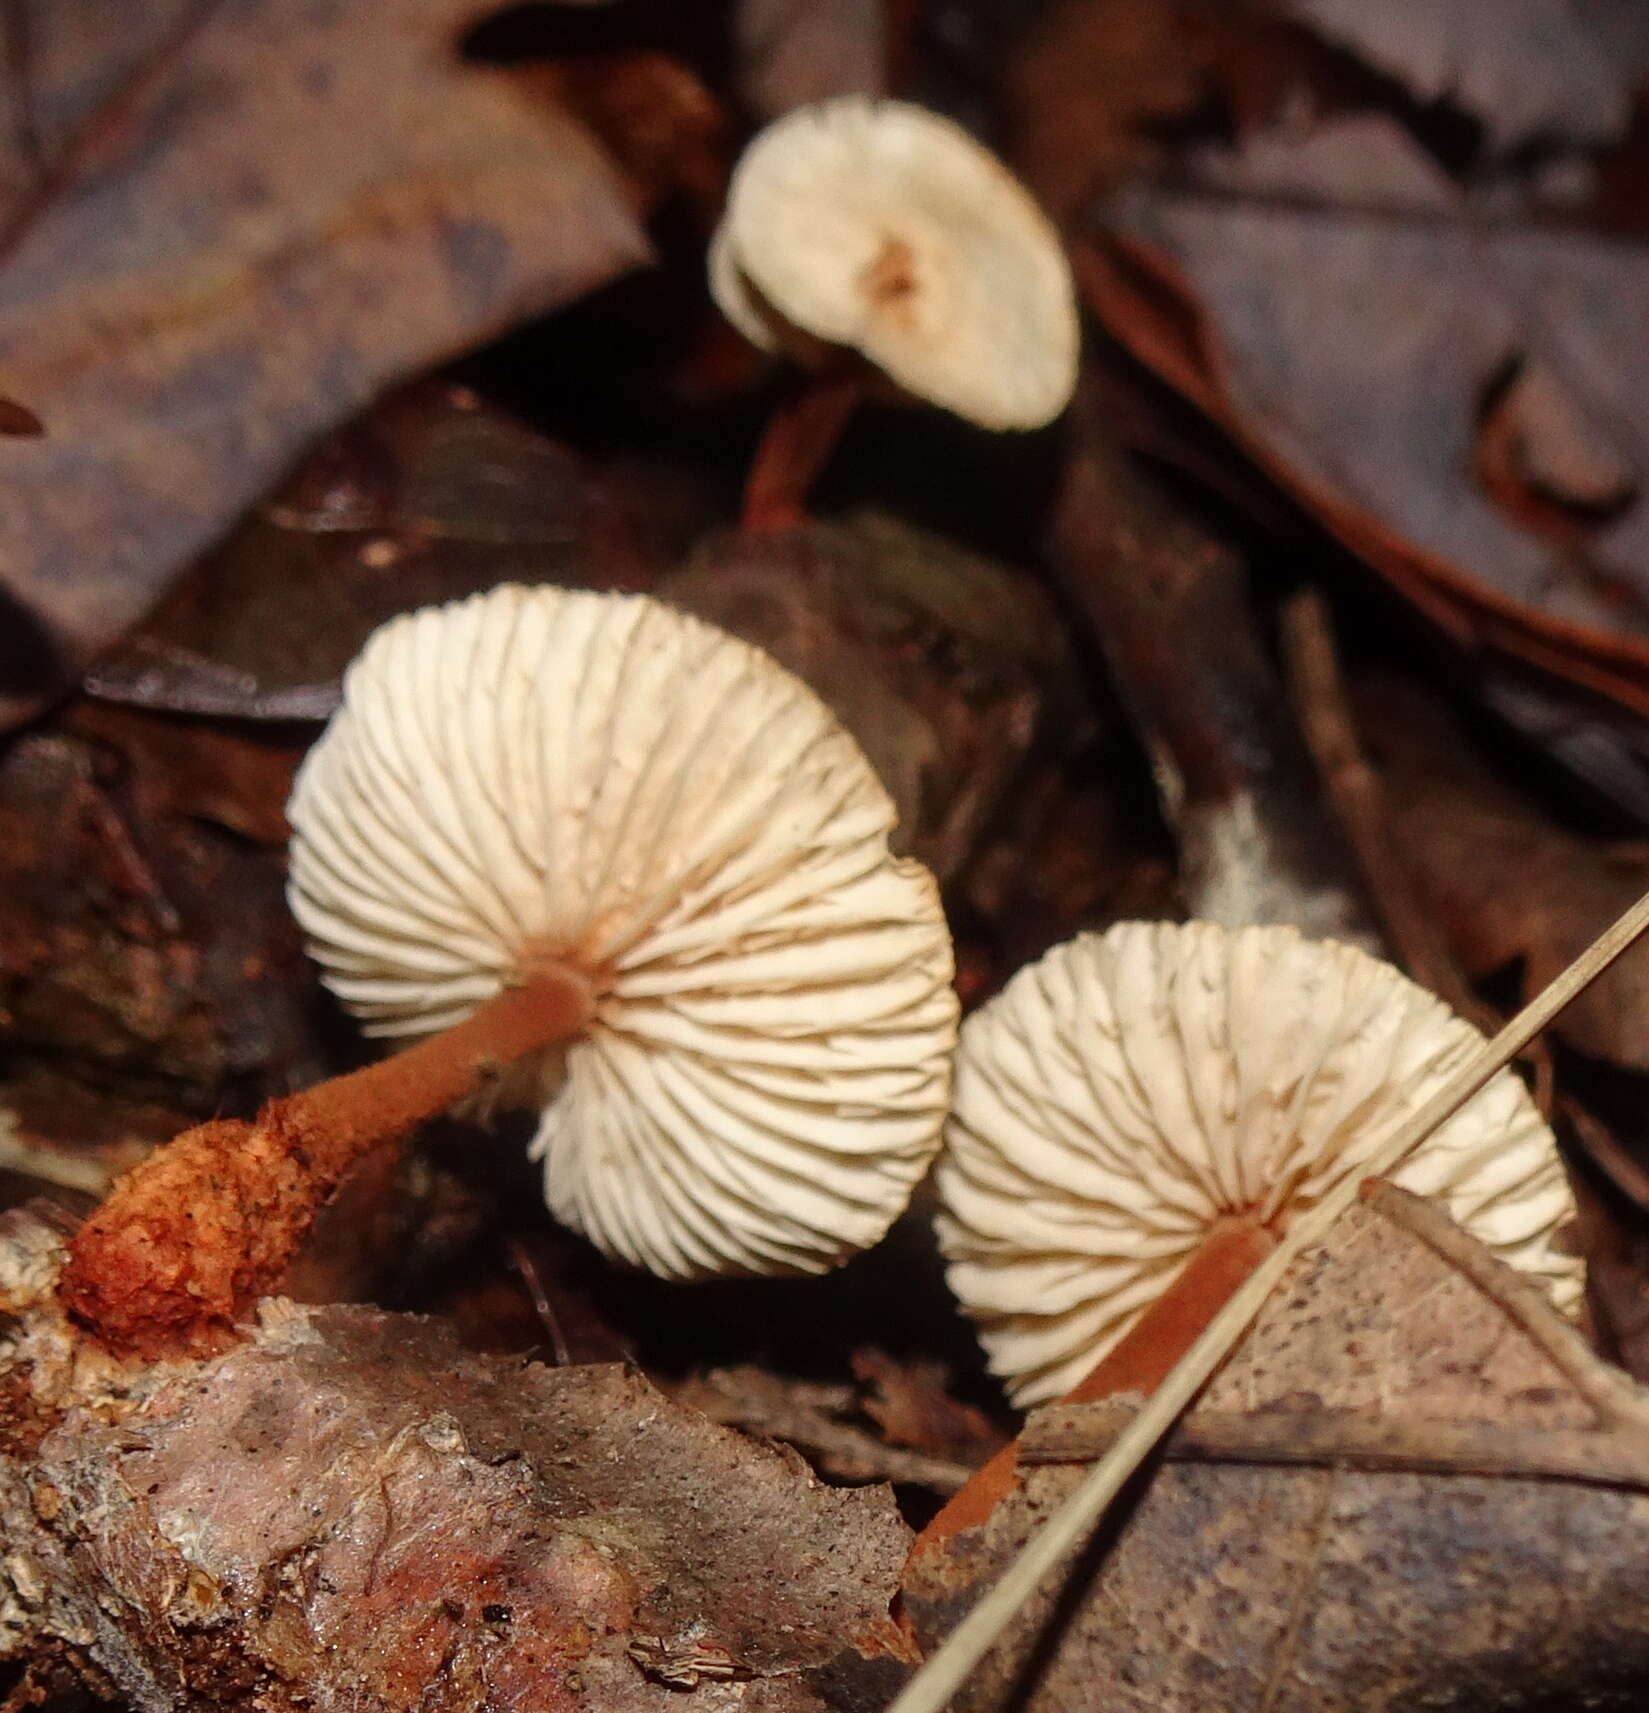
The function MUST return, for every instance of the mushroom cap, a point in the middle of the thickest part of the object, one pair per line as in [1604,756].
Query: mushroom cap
[598,779]
[1125,1092]
[736,298]
[883,227]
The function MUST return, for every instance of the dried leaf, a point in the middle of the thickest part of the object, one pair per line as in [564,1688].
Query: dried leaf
[348,1512]
[1085,90]
[1335,303]
[818,1419]
[1412,1485]
[1523,69]
[68,1143]
[237,225]
[192,768]
[911,1403]
[792,52]
[18,419]
[1507,883]
[653,116]
[428,497]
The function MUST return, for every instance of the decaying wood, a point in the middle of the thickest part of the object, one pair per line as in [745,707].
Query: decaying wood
[347,1511]
[1266,1584]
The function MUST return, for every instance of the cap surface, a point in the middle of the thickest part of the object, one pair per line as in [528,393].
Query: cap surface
[1124,1093]
[603,780]
[881,226]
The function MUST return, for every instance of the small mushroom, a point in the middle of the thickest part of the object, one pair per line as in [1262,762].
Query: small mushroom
[541,779]
[879,228]
[1135,1091]
[589,851]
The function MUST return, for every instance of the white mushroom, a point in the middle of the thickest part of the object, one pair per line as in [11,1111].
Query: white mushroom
[1125,1092]
[534,777]
[882,227]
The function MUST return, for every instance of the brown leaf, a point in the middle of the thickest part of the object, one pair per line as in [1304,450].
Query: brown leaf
[349,1512]
[911,1403]
[791,52]
[151,953]
[66,1142]
[240,223]
[1344,312]
[1086,88]
[655,118]
[428,497]
[816,1418]
[1506,882]
[1412,1485]
[18,419]
[1524,69]
[192,768]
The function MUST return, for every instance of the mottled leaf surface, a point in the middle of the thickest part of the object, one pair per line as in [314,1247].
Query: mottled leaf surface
[230,223]
[1459,396]
[1521,68]
[1268,1569]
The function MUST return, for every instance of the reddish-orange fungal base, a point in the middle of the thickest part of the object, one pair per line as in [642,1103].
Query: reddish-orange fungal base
[185,1243]
[1139,1363]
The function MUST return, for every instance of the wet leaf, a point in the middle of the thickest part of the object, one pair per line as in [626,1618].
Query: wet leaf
[228,226]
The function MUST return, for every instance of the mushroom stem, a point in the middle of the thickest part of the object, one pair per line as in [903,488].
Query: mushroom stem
[348,1115]
[796,445]
[186,1242]
[1233,1248]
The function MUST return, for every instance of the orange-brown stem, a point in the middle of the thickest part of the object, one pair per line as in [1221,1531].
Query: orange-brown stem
[1138,1363]
[795,447]
[184,1244]
[348,1115]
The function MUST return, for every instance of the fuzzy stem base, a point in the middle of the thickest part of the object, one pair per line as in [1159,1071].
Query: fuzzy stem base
[186,1242]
